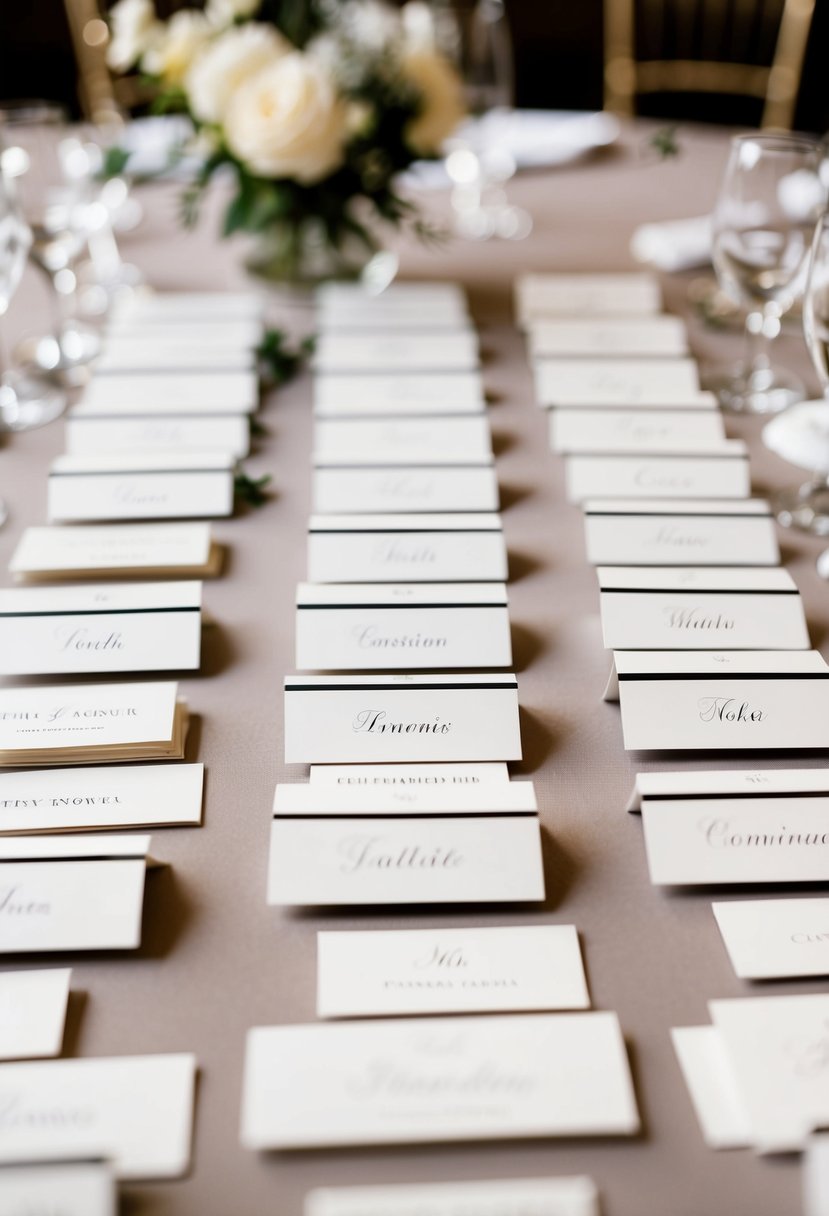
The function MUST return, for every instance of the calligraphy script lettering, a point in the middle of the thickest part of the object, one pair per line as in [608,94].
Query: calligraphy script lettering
[728,709]
[374,722]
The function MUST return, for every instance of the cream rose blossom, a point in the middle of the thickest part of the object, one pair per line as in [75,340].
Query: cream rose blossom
[441,95]
[226,63]
[288,121]
[133,25]
[171,53]
[222,13]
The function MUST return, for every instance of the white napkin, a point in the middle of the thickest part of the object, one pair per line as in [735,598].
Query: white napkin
[673,244]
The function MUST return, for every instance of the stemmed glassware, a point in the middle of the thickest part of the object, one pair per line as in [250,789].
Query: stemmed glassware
[769,199]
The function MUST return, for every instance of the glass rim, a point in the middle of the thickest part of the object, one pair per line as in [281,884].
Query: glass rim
[781,141]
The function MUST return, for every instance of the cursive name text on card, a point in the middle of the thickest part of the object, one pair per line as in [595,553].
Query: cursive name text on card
[368,638]
[721,834]
[695,618]
[371,853]
[375,722]
[728,709]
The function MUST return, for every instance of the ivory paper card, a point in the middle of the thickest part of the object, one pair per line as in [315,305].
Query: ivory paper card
[101,798]
[123,551]
[694,608]
[515,1197]
[397,351]
[712,1086]
[391,719]
[408,393]
[406,548]
[226,433]
[187,306]
[676,532]
[136,1111]
[298,800]
[354,627]
[660,432]
[414,971]
[384,312]
[769,939]
[728,786]
[407,774]
[422,1080]
[421,294]
[131,351]
[153,486]
[177,393]
[69,1189]
[568,295]
[602,337]
[723,473]
[403,488]
[403,440]
[32,1014]
[607,383]
[815,1170]
[99,628]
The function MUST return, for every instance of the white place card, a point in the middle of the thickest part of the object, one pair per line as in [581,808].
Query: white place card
[163,351]
[302,800]
[397,351]
[100,628]
[71,893]
[694,608]
[620,383]
[101,798]
[185,485]
[406,548]
[177,393]
[389,719]
[225,433]
[32,1014]
[815,1170]
[426,1080]
[82,1188]
[712,1086]
[183,306]
[91,723]
[353,627]
[776,1046]
[402,488]
[714,700]
[728,786]
[562,294]
[122,551]
[136,1111]
[641,432]
[231,335]
[448,970]
[413,775]
[410,393]
[416,293]
[720,473]
[385,312]
[575,1196]
[676,532]
[769,939]
[403,440]
[606,337]
[374,861]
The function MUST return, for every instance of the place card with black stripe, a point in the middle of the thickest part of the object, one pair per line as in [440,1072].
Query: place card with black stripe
[401,718]
[157,485]
[414,775]
[635,431]
[680,532]
[310,800]
[99,628]
[183,348]
[403,440]
[373,395]
[619,383]
[157,550]
[400,350]
[719,470]
[630,337]
[393,488]
[557,293]
[699,608]
[183,307]
[194,392]
[406,548]
[353,627]
[730,700]
[88,435]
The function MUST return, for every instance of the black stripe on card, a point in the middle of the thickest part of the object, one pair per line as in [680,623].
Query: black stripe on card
[102,611]
[11,861]
[677,515]
[406,531]
[696,591]
[397,687]
[403,468]
[742,794]
[416,815]
[138,472]
[725,675]
[397,604]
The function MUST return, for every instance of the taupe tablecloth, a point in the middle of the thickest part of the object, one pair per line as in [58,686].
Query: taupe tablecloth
[216,960]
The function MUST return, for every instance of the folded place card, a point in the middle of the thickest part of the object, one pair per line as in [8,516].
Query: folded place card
[558,294]
[184,485]
[392,489]
[597,337]
[661,432]
[163,351]
[712,1086]
[99,628]
[225,433]
[174,393]
[91,724]
[408,393]
[608,383]
[353,627]
[421,294]
[388,719]
[397,351]
[342,861]
[183,306]
[101,798]
[158,336]
[732,700]
[406,548]
[815,1170]
[731,785]
[516,1197]
[71,893]
[82,1188]
[135,1111]
[32,1014]
[123,551]
[676,532]
[435,1080]
[720,472]
[447,970]
[403,440]
[694,608]
[777,1049]
[407,774]
[435,312]
[769,939]
[302,800]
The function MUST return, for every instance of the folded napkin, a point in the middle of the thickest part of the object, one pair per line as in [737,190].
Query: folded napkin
[673,244]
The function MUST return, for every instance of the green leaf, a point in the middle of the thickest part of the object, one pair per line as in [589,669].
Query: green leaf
[115,162]
[664,143]
[279,363]
[251,490]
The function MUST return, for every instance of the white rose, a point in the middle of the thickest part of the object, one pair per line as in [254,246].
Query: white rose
[288,121]
[226,63]
[171,53]
[441,94]
[222,13]
[132,26]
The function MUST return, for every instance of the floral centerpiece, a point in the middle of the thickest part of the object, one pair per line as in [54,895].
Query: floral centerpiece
[314,106]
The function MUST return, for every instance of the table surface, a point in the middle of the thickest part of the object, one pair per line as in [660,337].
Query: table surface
[216,960]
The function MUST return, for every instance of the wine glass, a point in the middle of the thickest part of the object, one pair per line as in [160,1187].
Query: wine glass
[56,213]
[801,434]
[769,199]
